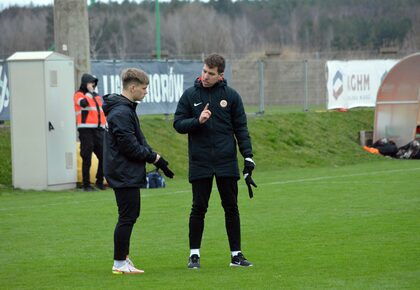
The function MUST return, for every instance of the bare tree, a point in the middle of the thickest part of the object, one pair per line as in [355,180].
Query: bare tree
[23,29]
[196,29]
[128,30]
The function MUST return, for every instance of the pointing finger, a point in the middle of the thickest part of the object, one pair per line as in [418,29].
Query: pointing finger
[206,107]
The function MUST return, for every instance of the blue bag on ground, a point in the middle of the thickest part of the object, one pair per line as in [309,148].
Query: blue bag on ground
[155,179]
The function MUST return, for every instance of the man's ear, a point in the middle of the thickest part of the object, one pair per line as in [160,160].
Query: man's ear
[221,76]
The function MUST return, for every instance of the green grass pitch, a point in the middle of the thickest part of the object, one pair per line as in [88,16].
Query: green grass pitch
[351,227]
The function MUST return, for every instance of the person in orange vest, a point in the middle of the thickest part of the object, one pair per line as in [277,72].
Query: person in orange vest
[90,121]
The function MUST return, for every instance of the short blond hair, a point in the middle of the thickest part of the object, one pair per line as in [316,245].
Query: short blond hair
[133,75]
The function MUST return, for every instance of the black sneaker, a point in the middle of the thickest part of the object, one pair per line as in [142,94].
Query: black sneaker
[100,186]
[240,261]
[194,262]
[89,188]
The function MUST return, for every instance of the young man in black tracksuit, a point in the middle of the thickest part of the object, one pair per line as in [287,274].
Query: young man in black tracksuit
[125,155]
[213,116]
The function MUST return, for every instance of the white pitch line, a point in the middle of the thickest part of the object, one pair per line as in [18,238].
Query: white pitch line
[340,176]
[144,195]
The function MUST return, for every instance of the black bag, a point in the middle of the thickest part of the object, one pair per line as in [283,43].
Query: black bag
[386,147]
[409,151]
[155,179]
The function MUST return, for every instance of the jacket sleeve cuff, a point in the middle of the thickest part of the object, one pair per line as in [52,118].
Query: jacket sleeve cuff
[197,123]
[151,158]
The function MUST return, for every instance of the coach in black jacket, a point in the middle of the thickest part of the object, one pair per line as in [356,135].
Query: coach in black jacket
[125,155]
[213,116]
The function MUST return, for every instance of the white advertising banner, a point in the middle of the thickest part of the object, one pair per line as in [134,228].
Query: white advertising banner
[355,83]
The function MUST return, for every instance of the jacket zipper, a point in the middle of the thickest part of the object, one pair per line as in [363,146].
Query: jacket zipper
[212,139]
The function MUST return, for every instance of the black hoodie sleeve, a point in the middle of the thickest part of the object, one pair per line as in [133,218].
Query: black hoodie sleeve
[184,121]
[240,126]
[123,129]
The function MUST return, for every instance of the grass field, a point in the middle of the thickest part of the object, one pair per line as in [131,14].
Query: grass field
[280,141]
[347,227]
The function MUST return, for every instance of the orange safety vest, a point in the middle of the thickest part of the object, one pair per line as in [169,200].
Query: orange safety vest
[91,116]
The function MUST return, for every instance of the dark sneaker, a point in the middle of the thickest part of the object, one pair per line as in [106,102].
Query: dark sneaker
[240,261]
[100,186]
[89,188]
[194,262]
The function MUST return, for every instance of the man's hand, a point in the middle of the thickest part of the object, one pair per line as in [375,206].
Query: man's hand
[249,166]
[163,164]
[205,114]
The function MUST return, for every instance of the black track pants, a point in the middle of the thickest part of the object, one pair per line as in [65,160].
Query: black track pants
[91,141]
[228,191]
[128,202]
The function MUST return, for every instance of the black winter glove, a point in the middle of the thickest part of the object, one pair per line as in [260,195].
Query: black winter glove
[248,168]
[83,103]
[249,182]
[249,165]
[163,164]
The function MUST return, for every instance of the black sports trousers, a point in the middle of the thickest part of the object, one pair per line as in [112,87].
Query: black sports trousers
[228,191]
[128,202]
[91,141]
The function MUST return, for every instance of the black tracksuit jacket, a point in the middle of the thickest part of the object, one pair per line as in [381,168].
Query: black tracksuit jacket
[212,146]
[125,148]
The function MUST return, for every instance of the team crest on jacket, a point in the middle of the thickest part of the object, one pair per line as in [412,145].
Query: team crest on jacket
[223,103]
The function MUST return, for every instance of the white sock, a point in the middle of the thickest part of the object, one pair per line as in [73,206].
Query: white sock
[119,264]
[194,252]
[235,253]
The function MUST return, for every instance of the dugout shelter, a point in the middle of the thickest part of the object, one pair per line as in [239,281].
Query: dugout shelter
[397,102]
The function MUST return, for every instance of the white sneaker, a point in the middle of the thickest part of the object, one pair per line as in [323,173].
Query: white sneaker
[129,261]
[128,268]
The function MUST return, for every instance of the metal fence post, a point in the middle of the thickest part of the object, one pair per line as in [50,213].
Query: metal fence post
[305,102]
[261,85]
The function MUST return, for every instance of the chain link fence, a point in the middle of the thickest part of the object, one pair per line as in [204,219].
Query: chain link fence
[298,84]
[269,84]
[297,81]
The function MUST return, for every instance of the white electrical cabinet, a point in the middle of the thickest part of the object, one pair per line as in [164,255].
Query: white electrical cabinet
[42,120]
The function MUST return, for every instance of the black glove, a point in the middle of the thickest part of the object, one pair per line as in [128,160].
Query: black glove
[83,103]
[163,164]
[249,182]
[249,166]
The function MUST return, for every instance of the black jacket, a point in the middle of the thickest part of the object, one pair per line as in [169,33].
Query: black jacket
[212,146]
[125,148]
